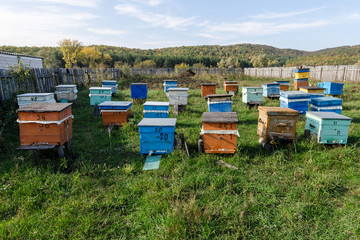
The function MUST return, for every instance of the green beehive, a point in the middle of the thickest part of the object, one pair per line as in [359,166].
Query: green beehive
[329,127]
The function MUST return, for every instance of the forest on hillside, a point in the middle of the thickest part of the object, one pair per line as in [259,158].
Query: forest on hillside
[239,56]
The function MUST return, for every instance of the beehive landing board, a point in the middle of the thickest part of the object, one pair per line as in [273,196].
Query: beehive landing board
[44,107]
[152,162]
[219,117]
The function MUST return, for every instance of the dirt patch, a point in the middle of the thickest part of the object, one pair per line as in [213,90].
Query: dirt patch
[187,73]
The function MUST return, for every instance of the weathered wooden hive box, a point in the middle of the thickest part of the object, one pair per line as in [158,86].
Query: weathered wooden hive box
[296,100]
[277,123]
[156,109]
[208,88]
[139,90]
[45,123]
[231,86]
[219,132]
[271,90]
[219,102]
[302,73]
[157,135]
[332,88]
[29,98]
[110,84]
[284,85]
[326,104]
[252,95]
[329,127]
[66,93]
[169,84]
[313,91]
[178,96]
[99,95]
[300,83]
[115,113]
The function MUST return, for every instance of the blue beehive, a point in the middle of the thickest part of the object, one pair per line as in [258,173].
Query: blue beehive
[139,90]
[111,84]
[169,84]
[271,90]
[156,109]
[157,135]
[296,100]
[99,94]
[219,102]
[332,88]
[326,104]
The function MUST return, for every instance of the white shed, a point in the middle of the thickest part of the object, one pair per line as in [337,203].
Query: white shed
[8,60]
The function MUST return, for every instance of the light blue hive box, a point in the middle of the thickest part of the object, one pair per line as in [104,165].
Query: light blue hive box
[112,84]
[271,90]
[156,109]
[169,84]
[252,95]
[99,95]
[326,104]
[219,102]
[296,100]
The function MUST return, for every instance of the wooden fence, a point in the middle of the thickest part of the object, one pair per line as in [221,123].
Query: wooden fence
[320,73]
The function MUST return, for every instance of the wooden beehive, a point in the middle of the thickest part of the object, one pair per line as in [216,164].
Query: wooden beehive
[139,90]
[271,90]
[110,84]
[326,104]
[277,123]
[156,109]
[313,91]
[178,96]
[219,102]
[208,88]
[45,123]
[115,113]
[329,127]
[302,73]
[231,86]
[332,88]
[99,95]
[284,85]
[157,135]
[296,100]
[66,92]
[169,84]
[29,98]
[252,95]
[219,132]
[300,83]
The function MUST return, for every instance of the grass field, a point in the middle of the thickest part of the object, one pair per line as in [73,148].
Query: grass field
[302,191]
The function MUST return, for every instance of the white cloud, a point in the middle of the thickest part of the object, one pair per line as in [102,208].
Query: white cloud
[272,15]
[77,3]
[106,31]
[354,16]
[151,3]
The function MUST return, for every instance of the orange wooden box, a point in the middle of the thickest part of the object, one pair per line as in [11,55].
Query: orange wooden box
[219,132]
[231,86]
[277,123]
[115,117]
[284,87]
[45,123]
[298,84]
[208,88]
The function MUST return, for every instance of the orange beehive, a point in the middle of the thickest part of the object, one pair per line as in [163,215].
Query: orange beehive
[45,123]
[231,86]
[115,118]
[208,88]
[300,83]
[219,132]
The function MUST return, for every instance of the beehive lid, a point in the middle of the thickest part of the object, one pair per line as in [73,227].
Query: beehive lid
[271,84]
[100,88]
[150,103]
[219,117]
[312,88]
[138,83]
[65,85]
[153,122]
[279,110]
[281,82]
[208,84]
[109,81]
[115,104]
[299,70]
[170,80]
[34,94]
[294,94]
[328,115]
[251,87]
[329,100]
[178,89]
[218,95]
[44,107]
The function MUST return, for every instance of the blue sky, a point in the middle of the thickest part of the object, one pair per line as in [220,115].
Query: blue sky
[304,25]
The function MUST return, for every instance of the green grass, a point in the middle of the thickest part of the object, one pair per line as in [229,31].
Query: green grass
[302,191]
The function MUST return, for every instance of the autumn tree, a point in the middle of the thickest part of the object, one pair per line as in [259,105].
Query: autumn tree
[70,50]
[146,64]
[89,57]
[260,61]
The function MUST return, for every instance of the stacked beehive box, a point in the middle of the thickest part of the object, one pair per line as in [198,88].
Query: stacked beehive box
[208,88]
[110,84]
[301,77]
[156,109]
[115,113]
[329,127]
[219,102]
[29,98]
[326,104]
[99,95]
[296,100]
[66,93]
[284,85]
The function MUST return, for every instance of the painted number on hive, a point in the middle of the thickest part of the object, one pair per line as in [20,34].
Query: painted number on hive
[158,129]
[164,136]
[40,117]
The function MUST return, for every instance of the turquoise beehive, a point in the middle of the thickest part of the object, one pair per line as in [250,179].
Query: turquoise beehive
[111,84]
[99,95]
[252,95]
[329,127]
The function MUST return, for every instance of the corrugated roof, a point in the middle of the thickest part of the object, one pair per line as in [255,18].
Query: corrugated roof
[19,55]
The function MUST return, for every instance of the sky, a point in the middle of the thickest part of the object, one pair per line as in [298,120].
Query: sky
[149,24]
